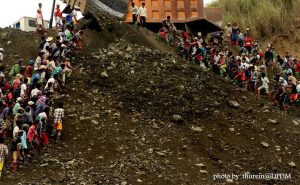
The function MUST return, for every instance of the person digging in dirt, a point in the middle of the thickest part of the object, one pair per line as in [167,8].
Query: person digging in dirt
[3,154]
[58,116]
[265,85]
[16,68]
[1,55]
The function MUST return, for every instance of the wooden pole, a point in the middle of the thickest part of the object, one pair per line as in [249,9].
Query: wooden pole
[52,14]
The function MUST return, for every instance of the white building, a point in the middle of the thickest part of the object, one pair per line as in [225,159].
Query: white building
[28,24]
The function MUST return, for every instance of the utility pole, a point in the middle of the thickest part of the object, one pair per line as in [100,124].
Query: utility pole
[52,14]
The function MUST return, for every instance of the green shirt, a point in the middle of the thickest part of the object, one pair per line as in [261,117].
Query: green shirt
[14,70]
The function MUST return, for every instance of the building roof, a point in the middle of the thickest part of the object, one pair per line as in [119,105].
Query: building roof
[26,17]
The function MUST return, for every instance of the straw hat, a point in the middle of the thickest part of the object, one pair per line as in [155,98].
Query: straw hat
[49,39]
[30,103]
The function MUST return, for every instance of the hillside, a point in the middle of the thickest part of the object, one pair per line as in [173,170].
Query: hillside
[270,21]
[138,114]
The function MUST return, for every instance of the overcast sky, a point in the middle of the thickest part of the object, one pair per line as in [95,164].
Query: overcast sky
[12,10]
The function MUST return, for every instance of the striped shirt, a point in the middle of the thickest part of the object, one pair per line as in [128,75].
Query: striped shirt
[58,115]
[3,152]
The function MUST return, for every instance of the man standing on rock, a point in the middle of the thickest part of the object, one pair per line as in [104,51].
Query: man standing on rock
[39,19]
[1,55]
[143,15]
[58,16]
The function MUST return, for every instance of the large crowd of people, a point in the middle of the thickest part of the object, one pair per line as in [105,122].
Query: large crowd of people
[31,115]
[235,54]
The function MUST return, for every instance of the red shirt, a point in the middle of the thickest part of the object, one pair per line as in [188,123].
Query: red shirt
[297,67]
[186,35]
[31,133]
[248,41]
[17,83]
[58,12]
[28,71]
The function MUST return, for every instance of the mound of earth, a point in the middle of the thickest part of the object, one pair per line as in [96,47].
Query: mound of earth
[138,114]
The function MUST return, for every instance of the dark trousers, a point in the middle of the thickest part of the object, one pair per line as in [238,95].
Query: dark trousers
[143,21]
[134,19]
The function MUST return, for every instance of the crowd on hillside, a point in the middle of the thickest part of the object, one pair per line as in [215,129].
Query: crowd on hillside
[30,114]
[250,67]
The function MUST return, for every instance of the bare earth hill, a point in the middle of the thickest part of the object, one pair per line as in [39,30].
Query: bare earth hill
[138,114]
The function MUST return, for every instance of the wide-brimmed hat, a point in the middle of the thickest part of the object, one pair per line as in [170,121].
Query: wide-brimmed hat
[18,76]
[19,99]
[30,103]
[49,39]
[42,67]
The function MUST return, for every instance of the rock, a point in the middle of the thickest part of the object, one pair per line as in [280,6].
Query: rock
[177,118]
[128,49]
[265,144]
[110,53]
[150,151]
[45,164]
[96,57]
[104,74]
[230,181]
[231,129]
[9,42]
[196,128]
[296,122]
[79,101]
[94,122]
[71,162]
[292,164]
[139,180]
[140,173]
[100,157]
[200,165]
[233,104]
[203,171]
[273,121]
[181,88]
[161,154]
[124,183]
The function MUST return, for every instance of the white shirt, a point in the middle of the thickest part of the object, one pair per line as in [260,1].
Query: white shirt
[265,82]
[46,44]
[37,63]
[16,131]
[143,11]
[42,115]
[23,89]
[134,10]
[217,58]
[244,65]
[35,92]
[74,14]
[52,65]
[51,80]
[1,56]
